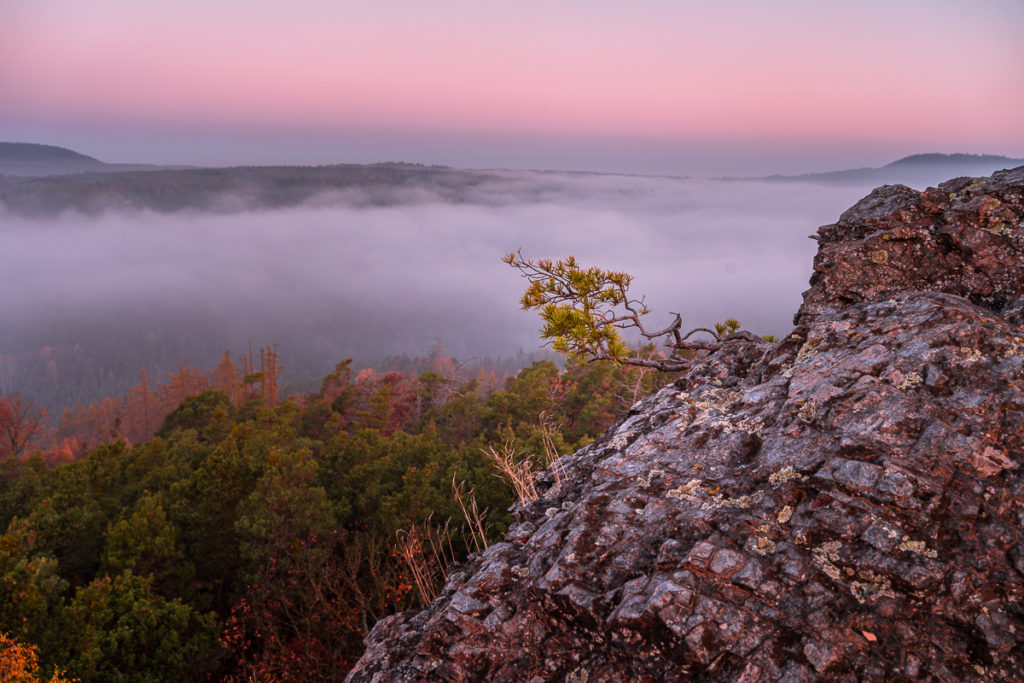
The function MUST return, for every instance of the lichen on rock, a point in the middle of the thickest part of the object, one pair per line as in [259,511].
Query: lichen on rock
[845,504]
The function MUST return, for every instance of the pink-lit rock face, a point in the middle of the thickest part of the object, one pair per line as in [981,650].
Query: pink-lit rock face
[952,238]
[843,505]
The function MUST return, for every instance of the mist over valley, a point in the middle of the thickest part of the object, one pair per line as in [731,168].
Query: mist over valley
[110,272]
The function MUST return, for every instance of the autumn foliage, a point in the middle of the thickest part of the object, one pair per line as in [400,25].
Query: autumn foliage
[135,417]
[208,528]
[21,425]
[19,663]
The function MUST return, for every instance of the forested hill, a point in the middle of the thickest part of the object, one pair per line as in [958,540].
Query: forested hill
[27,159]
[237,188]
[42,180]
[917,170]
[244,537]
[27,152]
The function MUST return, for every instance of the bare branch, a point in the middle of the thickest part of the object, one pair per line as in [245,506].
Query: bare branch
[699,329]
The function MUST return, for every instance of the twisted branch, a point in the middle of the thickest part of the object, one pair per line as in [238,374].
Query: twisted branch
[584,309]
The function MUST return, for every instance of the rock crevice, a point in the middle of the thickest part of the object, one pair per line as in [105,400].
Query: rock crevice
[843,505]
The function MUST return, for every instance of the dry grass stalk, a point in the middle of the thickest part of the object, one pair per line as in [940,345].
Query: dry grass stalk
[548,429]
[516,468]
[427,551]
[474,518]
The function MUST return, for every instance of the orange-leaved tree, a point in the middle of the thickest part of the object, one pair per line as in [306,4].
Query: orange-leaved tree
[21,423]
[19,663]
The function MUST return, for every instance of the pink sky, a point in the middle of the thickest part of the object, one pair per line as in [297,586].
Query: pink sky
[648,85]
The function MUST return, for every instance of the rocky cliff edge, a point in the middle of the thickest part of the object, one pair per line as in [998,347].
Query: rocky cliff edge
[844,505]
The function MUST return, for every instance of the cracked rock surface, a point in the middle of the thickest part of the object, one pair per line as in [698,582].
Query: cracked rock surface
[843,505]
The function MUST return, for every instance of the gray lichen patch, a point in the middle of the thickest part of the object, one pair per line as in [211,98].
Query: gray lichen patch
[911,380]
[742,502]
[644,480]
[826,566]
[871,587]
[864,585]
[785,514]
[716,501]
[829,549]
[919,547]
[808,411]
[807,350]
[619,441]
[687,490]
[579,675]
[825,556]
[970,355]
[752,426]
[786,474]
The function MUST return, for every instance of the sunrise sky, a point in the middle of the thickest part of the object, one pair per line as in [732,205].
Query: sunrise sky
[649,86]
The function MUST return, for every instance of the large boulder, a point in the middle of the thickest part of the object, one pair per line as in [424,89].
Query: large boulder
[843,505]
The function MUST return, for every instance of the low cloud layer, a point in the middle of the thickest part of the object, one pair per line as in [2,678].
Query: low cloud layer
[329,280]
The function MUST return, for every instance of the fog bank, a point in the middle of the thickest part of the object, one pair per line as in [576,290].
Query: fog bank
[338,278]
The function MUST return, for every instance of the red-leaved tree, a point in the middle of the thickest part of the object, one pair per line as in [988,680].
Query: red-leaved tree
[21,423]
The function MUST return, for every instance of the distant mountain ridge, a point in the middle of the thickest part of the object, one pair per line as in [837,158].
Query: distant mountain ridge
[30,152]
[916,159]
[915,170]
[30,159]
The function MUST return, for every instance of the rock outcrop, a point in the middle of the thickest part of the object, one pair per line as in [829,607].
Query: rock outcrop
[843,505]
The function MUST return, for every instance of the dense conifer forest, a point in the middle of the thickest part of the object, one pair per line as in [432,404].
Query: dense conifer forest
[209,528]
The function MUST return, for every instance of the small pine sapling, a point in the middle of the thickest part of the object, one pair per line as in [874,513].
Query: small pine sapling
[584,309]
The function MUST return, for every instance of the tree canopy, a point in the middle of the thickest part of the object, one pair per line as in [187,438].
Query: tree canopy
[251,538]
